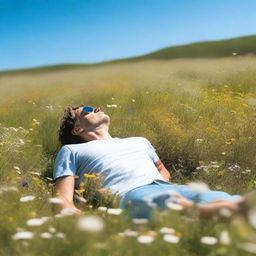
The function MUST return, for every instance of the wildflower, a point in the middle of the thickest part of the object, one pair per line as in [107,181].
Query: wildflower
[13,129]
[128,233]
[113,211]
[249,247]
[234,167]
[165,230]
[45,218]
[88,176]
[171,239]
[35,122]
[46,235]
[210,240]
[10,219]
[35,173]
[90,224]
[234,53]
[199,141]
[133,100]
[35,222]
[145,239]
[201,167]
[140,221]
[24,183]
[60,235]
[198,186]
[55,200]
[111,106]
[21,142]
[27,198]
[52,229]
[224,237]
[223,153]
[102,208]
[23,235]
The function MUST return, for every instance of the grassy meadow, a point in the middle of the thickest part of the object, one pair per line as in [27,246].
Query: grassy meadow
[200,115]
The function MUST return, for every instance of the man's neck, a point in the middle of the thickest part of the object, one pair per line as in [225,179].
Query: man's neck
[97,134]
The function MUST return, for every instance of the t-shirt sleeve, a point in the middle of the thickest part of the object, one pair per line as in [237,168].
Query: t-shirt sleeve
[64,163]
[152,152]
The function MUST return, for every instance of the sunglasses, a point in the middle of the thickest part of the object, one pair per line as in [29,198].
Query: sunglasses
[88,109]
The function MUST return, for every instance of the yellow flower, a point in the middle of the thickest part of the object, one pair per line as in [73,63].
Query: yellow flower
[80,191]
[35,179]
[90,175]
[178,234]
[10,219]
[81,184]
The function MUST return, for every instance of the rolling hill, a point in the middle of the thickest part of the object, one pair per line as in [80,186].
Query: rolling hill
[211,49]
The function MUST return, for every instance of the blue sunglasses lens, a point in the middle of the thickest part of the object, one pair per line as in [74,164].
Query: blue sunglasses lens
[88,109]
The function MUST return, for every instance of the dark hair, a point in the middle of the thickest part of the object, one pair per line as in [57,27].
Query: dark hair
[67,125]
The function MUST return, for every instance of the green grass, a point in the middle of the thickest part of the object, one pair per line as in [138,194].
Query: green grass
[199,115]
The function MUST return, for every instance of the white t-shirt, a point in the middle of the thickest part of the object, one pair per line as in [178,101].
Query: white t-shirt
[124,164]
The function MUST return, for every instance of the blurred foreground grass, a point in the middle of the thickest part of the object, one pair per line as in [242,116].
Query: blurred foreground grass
[200,115]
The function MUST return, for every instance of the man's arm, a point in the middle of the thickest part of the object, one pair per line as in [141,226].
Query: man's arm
[64,189]
[163,171]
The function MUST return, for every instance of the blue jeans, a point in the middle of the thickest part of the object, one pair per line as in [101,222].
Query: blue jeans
[140,201]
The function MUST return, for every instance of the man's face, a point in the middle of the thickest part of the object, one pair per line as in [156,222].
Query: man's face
[92,120]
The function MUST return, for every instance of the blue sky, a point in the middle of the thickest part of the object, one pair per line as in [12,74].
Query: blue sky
[44,32]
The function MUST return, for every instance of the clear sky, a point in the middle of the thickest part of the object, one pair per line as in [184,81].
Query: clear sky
[44,32]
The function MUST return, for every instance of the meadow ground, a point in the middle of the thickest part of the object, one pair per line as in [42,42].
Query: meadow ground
[199,114]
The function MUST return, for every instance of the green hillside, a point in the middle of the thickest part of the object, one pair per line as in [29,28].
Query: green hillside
[212,49]
[224,48]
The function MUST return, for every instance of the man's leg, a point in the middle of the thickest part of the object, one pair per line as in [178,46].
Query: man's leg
[208,203]
[141,201]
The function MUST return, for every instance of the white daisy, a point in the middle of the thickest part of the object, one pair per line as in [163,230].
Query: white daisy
[35,222]
[210,240]
[171,239]
[114,211]
[144,239]
[90,224]
[23,235]
[27,198]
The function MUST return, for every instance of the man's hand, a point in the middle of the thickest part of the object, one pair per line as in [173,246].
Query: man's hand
[64,189]
[163,171]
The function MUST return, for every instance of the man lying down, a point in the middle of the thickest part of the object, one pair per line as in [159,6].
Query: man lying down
[129,167]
